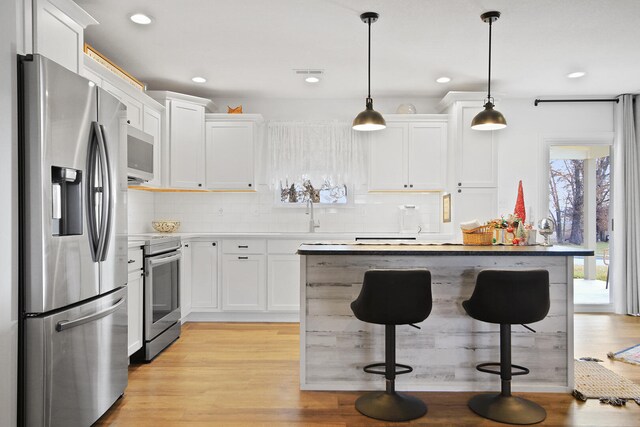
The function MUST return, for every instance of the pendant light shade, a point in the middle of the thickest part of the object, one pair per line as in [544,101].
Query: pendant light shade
[489,119]
[369,119]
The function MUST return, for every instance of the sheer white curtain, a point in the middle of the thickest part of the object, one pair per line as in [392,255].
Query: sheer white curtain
[627,201]
[317,150]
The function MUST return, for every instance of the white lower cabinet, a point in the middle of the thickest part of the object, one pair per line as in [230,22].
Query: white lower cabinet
[135,289]
[243,282]
[185,279]
[283,282]
[204,275]
[259,279]
[134,296]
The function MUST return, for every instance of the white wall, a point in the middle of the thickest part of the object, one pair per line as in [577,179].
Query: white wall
[522,144]
[8,217]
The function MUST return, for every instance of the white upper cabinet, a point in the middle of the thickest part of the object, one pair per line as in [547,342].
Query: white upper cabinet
[187,152]
[388,155]
[427,157]
[476,151]
[55,31]
[183,152]
[410,154]
[152,124]
[134,106]
[230,147]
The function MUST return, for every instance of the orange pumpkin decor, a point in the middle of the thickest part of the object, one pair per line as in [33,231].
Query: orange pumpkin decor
[519,210]
[234,110]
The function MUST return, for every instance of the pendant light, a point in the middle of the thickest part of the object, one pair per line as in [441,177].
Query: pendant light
[489,119]
[369,119]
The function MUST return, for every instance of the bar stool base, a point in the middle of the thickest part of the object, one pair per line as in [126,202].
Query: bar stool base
[507,409]
[390,406]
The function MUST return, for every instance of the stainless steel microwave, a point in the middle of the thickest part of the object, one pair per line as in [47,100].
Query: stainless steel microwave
[140,147]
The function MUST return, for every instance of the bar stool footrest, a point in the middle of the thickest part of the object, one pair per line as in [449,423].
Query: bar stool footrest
[405,369]
[520,370]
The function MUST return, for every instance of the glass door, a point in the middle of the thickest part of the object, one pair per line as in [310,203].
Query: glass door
[579,203]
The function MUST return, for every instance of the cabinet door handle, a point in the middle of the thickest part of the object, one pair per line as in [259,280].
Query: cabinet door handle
[128,122]
[243,246]
[249,185]
[459,190]
[459,184]
[199,185]
[213,244]
[405,186]
[186,245]
[131,261]
[243,257]
[411,185]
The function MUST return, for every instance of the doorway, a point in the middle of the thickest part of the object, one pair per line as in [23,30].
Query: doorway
[579,189]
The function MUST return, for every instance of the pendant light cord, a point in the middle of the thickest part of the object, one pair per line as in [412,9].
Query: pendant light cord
[369,62]
[489,79]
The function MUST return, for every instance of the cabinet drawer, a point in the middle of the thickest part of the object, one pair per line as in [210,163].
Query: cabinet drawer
[134,260]
[285,247]
[244,246]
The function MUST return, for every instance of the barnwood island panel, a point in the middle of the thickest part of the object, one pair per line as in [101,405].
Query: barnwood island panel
[334,345]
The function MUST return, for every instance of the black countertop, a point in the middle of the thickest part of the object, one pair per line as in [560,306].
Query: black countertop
[353,248]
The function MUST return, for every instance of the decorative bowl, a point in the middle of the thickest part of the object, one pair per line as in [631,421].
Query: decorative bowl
[165,225]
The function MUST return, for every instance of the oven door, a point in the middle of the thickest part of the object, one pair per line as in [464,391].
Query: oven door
[161,293]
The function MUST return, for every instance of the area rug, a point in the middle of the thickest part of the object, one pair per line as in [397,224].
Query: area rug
[594,381]
[629,355]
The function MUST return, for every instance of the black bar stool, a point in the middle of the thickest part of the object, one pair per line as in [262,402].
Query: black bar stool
[508,298]
[390,298]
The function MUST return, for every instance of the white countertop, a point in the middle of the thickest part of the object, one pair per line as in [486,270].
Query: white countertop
[296,236]
[135,242]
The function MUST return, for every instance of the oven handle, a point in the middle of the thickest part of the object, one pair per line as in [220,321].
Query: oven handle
[163,260]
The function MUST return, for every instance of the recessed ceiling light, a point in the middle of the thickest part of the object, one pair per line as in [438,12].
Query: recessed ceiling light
[576,74]
[140,18]
[443,79]
[311,76]
[199,80]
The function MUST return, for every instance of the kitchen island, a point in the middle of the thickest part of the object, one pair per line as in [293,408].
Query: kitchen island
[334,345]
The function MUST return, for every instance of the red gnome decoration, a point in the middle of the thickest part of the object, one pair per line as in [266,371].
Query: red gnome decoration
[519,210]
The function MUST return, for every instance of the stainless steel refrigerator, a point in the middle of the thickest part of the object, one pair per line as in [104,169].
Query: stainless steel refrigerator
[73,247]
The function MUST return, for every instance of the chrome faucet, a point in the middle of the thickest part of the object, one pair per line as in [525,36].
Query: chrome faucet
[313,224]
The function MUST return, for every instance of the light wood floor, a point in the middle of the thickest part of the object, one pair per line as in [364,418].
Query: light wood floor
[246,374]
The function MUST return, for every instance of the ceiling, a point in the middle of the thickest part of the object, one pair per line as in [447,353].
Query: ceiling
[249,48]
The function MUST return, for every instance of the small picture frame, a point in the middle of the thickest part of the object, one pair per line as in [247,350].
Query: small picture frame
[446,208]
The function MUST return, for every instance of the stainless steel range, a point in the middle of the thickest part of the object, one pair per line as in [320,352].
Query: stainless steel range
[161,296]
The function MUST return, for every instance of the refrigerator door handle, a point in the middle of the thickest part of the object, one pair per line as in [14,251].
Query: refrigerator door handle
[68,324]
[107,196]
[92,190]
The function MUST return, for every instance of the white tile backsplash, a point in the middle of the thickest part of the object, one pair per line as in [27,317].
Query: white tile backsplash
[258,212]
[141,211]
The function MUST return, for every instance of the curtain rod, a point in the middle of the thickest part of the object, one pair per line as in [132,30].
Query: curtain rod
[537,101]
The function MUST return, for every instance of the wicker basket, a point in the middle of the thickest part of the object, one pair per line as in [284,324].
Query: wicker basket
[480,236]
